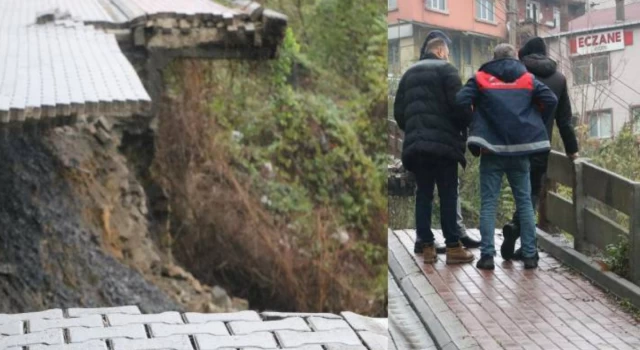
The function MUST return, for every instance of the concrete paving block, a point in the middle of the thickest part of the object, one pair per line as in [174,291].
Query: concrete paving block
[92,321]
[175,342]
[374,341]
[127,310]
[362,323]
[90,345]
[280,315]
[336,336]
[164,330]
[193,317]
[13,328]
[346,347]
[165,317]
[48,315]
[50,337]
[292,324]
[263,340]
[135,331]
[326,324]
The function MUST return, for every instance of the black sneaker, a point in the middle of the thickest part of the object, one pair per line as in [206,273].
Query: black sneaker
[441,248]
[418,247]
[518,255]
[485,263]
[530,263]
[511,234]
[469,242]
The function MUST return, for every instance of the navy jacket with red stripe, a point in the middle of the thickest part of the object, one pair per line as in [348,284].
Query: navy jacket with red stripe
[509,109]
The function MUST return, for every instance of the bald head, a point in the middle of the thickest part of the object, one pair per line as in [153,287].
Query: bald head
[438,47]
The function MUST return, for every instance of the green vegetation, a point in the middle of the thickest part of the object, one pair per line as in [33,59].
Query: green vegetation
[276,169]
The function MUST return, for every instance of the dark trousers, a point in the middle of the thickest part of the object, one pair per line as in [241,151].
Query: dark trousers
[444,174]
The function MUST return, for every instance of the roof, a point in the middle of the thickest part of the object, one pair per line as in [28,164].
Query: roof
[126,328]
[601,19]
[61,58]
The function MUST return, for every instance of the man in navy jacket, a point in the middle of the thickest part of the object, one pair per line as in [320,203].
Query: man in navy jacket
[510,108]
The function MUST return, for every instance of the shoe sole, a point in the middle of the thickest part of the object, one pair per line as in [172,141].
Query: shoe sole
[509,245]
[459,261]
[428,262]
[486,267]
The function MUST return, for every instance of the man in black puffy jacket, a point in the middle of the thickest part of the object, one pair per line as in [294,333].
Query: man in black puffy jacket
[534,56]
[434,142]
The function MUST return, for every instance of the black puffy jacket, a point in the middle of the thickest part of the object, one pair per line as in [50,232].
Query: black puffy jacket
[426,111]
[545,70]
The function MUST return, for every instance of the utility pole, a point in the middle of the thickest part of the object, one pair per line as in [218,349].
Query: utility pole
[564,15]
[513,21]
[535,19]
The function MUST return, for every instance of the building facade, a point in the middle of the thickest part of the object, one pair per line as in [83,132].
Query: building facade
[599,55]
[543,16]
[474,26]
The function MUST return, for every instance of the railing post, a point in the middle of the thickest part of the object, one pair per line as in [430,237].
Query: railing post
[579,205]
[634,237]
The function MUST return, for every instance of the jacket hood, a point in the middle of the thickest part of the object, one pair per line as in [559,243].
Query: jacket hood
[540,65]
[505,69]
[533,45]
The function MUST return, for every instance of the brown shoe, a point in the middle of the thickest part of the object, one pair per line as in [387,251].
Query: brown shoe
[459,255]
[429,254]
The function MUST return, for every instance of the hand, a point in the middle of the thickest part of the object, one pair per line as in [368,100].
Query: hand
[574,156]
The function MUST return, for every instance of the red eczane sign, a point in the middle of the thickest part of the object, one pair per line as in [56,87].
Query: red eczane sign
[600,42]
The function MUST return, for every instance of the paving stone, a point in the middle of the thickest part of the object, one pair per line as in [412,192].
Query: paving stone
[13,328]
[325,324]
[87,321]
[193,317]
[47,315]
[90,345]
[362,323]
[374,341]
[336,336]
[170,317]
[213,328]
[134,331]
[175,342]
[128,310]
[264,340]
[280,315]
[292,324]
[50,337]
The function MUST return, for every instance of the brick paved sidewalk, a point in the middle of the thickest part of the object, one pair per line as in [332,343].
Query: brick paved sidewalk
[125,328]
[512,308]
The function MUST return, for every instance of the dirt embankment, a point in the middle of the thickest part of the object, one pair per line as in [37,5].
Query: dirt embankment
[76,225]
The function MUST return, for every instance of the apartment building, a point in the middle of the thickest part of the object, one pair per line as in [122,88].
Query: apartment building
[474,26]
[599,54]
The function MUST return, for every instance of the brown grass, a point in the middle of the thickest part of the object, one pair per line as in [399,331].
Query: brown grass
[224,235]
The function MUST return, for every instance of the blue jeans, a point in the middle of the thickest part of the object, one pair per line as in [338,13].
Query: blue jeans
[492,168]
[443,173]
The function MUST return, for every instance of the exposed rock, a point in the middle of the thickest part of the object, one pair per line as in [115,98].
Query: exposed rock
[341,236]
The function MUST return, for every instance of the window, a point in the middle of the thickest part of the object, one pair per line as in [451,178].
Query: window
[394,54]
[590,69]
[556,17]
[392,4]
[484,10]
[635,115]
[600,124]
[440,5]
[532,7]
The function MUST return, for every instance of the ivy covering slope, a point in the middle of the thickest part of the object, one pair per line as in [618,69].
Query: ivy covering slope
[276,170]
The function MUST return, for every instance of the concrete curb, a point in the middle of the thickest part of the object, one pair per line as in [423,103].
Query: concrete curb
[606,280]
[413,283]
